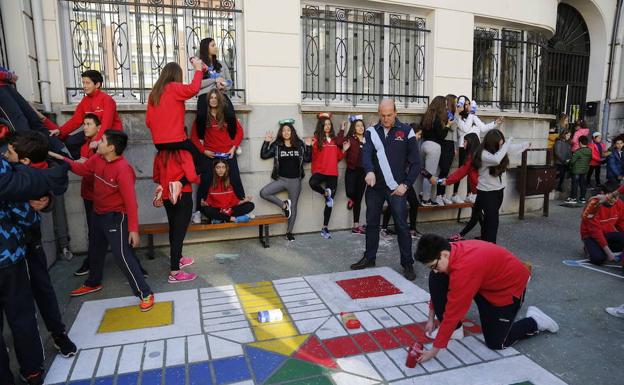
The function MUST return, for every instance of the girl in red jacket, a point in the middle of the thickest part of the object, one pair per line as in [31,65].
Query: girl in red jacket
[217,144]
[325,157]
[171,166]
[599,154]
[354,178]
[221,203]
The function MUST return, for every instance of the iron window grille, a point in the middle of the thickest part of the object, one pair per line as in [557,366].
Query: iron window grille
[356,57]
[507,69]
[131,41]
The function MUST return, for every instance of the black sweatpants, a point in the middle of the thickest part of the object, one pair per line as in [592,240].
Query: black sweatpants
[592,170]
[178,216]
[597,256]
[412,200]
[497,322]
[88,205]
[490,203]
[476,216]
[237,211]
[17,304]
[199,159]
[447,153]
[41,284]
[206,180]
[111,229]
[462,159]
[355,185]
[331,182]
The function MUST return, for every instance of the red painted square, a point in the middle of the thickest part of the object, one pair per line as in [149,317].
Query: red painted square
[384,339]
[365,341]
[368,287]
[471,327]
[313,351]
[342,347]
[418,330]
[402,336]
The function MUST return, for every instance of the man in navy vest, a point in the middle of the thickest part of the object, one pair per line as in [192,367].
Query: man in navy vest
[392,163]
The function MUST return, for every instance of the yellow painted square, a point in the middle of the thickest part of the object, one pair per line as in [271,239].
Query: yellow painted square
[275,330]
[131,317]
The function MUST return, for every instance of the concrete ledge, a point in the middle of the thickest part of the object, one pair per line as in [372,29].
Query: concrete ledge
[142,107]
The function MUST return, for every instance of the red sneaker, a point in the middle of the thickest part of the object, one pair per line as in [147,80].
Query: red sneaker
[455,238]
[186,261]
[350,204]
[84,289]
[147,303]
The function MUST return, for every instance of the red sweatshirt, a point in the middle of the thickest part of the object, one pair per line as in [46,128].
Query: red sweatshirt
[326,160]
[170,166]
[599,219]
[484,268]
[222,198]
[597,153]
[114,183]
[86,185]
[98,103]
[354,153]
[166,120]
[460,173]
[217,139]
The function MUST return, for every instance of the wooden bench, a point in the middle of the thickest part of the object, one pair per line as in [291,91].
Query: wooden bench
[262,221]
[458,206]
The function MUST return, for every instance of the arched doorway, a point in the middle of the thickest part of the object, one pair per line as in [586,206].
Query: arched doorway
[566,65]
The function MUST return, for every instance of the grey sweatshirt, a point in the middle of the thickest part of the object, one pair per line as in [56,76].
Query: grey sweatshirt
[208,85]
[489,182]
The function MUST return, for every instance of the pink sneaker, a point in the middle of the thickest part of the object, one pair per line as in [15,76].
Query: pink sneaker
[358,230]
[181,276]
[456,238]
[186,261]
[175,190]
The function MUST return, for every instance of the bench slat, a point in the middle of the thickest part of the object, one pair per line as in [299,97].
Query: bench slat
[451,206]
[162,228]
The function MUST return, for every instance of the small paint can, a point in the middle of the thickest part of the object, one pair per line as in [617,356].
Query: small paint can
[413,355]
[270,315]
[350,320]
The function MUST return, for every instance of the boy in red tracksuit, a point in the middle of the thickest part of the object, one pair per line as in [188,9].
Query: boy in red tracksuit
[172,165]
[487,273]
[325,157]
[115,216]
[602,225]
[222,204]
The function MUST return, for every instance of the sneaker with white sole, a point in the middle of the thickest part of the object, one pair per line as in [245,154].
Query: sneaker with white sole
[181,276]
[446,200]
[196,217]
[544,322]
[186,261]
[439,200]
[458,334]
[471,198]
[329,201]
[175,190]
[616,311]
[457,199]
[287,212]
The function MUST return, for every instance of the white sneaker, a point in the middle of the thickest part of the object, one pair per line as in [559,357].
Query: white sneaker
[446,200]
[439,200]
[616,311]
[544,322]
[196,217]
[458,334]
[471,198]
[456,199]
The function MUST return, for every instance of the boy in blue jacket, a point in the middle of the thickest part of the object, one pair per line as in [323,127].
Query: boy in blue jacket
[615,164]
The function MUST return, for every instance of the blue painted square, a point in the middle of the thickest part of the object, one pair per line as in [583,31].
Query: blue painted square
[199,374]
[152,377]
[175,375]
[231,370]
[128,379]
[104,381]
[263,363]
[81,382]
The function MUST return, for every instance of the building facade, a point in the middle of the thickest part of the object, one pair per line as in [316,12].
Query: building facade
[524,60]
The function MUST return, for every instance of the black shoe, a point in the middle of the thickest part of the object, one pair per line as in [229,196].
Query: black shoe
[290,237]
[287,212]
[83,270]
[409,273]
[362,264]
[64,345]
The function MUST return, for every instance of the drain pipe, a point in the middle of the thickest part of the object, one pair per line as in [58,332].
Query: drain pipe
[607,106]
[42,56]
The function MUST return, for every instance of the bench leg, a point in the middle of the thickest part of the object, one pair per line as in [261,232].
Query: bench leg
[261,235]
[266,236]
[459,215]
[150,246]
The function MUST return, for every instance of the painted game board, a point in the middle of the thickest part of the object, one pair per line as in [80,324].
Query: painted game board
[211,336]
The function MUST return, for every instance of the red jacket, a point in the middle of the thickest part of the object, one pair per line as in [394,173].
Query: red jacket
[217,139]
[461,172]
[86,186]
[114,183]
[354,153]
[325,161]
[597,153]
[222,198]
[484,268]
[166,120]
[170,166]
[599,219]
[98,103]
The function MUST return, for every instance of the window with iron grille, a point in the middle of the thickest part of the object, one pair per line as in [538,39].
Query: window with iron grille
[4,57]
[131,41]
[506,69]
[356,57]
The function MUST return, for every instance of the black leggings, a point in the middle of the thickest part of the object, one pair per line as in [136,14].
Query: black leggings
[206,180]
[331,182]
[178,216]
[490,202]
[475,217]
[412,200]
[355,186]
[461,159]
[201,165]
[237,211]
[202,115]
[447,153]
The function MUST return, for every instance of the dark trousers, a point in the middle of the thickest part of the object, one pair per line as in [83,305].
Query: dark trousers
[237,211]
[375,198]
[497,322]
[202,115]
[596,171]
[206,180]
[412,200]
[199,159]
[111,229]
[597,256]
[490,203]
[578,182]
[461,159]
[178,216]
[355,185]
[41,286]
[476,216]
[16,303]
[330,182]
[88,205]
[447,153]
[562,171]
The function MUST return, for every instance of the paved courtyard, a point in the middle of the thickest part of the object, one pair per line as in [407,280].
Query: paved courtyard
[205,332]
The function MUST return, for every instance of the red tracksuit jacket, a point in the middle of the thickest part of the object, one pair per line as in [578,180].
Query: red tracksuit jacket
[166,120]
[460,173]
[114,183]
[217,139]
[222,198]
[86,185]
[98,103]
[354,153]
[170,166]
[599,219]
[597,151]
[484,268]
[325,161]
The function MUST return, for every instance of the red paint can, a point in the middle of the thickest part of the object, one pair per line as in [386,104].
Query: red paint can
[350,320]
[413,355]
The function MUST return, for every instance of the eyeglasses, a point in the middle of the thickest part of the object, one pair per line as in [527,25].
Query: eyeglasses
[435,265]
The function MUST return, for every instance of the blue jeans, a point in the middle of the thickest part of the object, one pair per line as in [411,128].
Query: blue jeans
[578,181]
[597,256]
